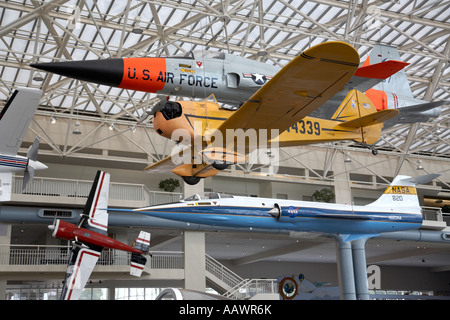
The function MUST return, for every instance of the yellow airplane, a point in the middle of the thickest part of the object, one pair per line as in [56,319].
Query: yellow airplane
[212,137]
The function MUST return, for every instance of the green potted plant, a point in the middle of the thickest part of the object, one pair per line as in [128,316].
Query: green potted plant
[169,185]
[323,195]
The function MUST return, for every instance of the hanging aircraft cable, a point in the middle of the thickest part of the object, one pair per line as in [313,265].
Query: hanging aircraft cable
[348,160]
[216,165]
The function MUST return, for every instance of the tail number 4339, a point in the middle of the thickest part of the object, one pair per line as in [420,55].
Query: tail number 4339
[308,127]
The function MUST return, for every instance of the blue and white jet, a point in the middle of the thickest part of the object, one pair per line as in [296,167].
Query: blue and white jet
[15,118]
[397,209]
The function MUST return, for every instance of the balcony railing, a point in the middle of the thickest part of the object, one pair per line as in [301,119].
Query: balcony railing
[222,273]
[52,187]
[35,255]
[249,288]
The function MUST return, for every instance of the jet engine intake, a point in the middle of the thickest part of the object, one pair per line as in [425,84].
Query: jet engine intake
[275,212]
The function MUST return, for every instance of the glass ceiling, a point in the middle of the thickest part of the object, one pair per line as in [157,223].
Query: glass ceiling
[60,30]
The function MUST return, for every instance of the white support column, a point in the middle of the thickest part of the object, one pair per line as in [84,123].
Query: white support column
[3,284]
[345,269]
[189,190]
[360,269]
[342,189]
[194,261]
[111,292]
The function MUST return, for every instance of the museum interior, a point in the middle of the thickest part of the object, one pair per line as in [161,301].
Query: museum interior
[85,126]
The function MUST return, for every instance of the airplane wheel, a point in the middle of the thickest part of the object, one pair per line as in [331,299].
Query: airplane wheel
[374,152]
[220,165]
[191,180]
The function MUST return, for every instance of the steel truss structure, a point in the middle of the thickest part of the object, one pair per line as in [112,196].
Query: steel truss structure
[273,31]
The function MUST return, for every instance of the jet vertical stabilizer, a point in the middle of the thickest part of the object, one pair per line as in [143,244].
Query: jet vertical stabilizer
[402,192]
[138,261]
[398,82]
[395,92]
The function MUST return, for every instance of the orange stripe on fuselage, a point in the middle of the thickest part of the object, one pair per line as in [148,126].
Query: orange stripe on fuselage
[366,63]
[144,74]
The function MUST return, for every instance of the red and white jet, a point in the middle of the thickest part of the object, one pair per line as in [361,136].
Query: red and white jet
[89,238]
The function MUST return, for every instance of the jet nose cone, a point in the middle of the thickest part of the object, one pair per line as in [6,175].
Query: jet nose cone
[42,166]
[107,72]
[37,165]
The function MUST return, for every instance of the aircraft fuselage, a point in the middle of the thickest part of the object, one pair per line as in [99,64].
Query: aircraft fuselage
[232,79]
[18,163]
[289,215]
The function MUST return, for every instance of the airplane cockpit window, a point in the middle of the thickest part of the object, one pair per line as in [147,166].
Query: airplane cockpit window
[211,195]
[210,54]
[224,195]
[194,197]
[167,296]
[189,55]
[198,55]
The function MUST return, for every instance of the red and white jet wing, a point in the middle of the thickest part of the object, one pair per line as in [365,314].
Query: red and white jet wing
[95,213]
[82,262]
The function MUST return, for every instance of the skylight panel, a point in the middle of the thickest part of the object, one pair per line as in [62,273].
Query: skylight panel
[111,108]
[8,74]
[333,13]
[9,16]
[317,12]
[22,76]
[90,107]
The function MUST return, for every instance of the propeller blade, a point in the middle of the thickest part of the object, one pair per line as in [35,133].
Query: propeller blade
[27,176]
[32,152]
[159,104]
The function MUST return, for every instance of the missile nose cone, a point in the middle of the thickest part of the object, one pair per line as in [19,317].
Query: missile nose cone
[107,72]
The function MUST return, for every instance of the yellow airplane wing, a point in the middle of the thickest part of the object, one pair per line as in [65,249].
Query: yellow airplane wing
[299,88]
[164,165]
[371,119]
[182,167]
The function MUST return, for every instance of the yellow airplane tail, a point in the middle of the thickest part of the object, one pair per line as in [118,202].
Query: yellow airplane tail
[355,105]
[358,111]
